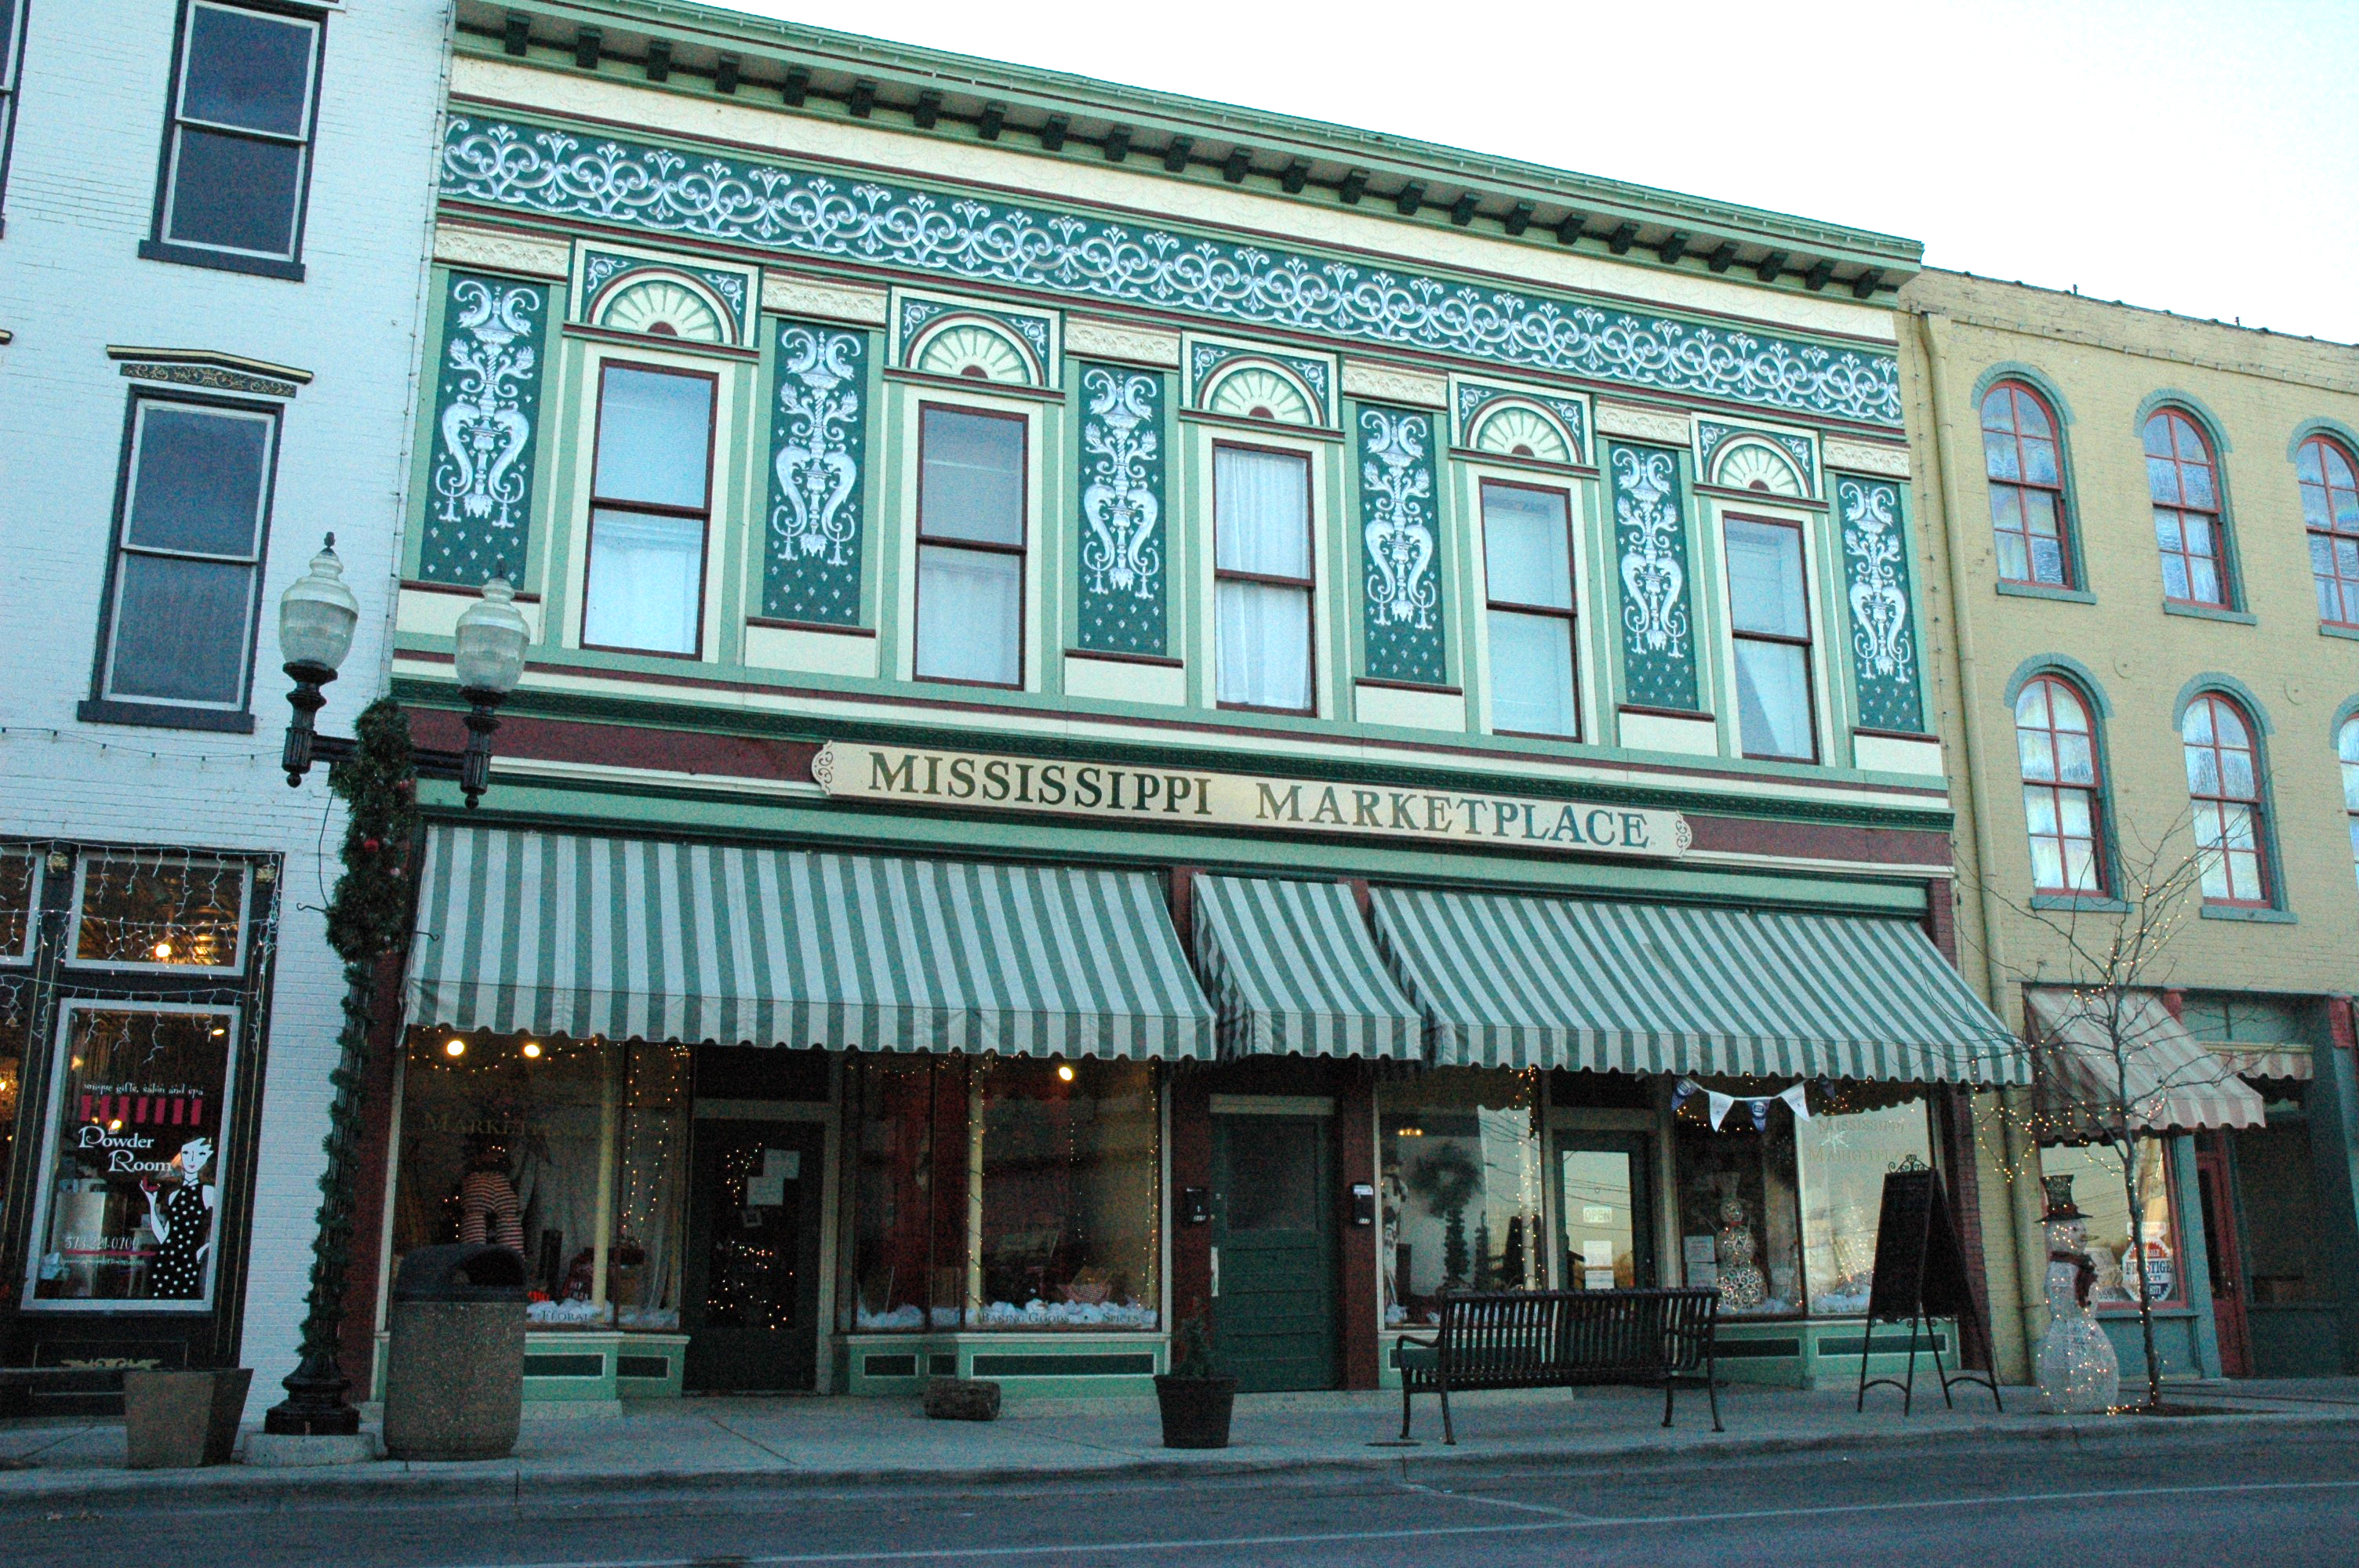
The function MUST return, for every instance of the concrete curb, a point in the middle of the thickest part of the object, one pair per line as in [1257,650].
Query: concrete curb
[235,1484]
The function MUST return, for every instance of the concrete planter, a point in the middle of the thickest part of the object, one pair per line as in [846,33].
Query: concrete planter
[1195,1411]
[178,1421]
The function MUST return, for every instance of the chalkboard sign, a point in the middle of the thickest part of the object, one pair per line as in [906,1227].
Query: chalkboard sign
[1920,1276]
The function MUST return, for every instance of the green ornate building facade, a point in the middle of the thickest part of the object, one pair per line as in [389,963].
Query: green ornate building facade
[1139,709]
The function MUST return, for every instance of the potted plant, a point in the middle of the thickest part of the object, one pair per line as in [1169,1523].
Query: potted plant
[1197,1394]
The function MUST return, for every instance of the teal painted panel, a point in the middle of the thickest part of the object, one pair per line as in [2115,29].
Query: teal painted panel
[1401,562]
[643,1366]
[589,1366]
[1876,575]
[487,397]
[1109,1364]
[600,267]
[818,457]
[781,208]
[1658,655]
[888,1366]
[1121,561]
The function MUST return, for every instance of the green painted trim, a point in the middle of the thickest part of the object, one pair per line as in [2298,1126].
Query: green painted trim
[2064,664]
[1059,92]
[2319,424]
[2232,558]
[2187,403]
[2253,916]
[2342,715]
[2206,612]
[2328,629]
[2040,381]
[837,828]
[2227,686]
[2040,591]
[2086,904]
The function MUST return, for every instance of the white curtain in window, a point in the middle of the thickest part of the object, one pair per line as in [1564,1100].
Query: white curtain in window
[1265,511]
[969,615]
[1764,579]
[1532,672]
[646,582]
[1773,699]
[1264,645]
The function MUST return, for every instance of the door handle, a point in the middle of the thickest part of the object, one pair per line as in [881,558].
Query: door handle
[1216,1271]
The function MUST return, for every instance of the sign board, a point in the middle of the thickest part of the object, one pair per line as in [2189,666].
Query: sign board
[1194,797]
[1920,1267]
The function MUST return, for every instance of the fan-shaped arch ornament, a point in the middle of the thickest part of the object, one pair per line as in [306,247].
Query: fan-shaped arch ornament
[1519,430]
[663,308]
[975,353]
[1755,465]
[1259,392]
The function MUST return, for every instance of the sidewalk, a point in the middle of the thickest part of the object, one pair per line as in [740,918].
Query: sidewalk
[842,1442]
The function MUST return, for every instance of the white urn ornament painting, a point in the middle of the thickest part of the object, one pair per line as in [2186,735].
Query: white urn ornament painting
[2079,1373]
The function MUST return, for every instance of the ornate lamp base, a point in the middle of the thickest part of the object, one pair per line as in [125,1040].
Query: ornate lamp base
[315,1404]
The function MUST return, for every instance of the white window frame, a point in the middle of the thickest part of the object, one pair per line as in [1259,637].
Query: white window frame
[46,1174]
[1328,665]
[910,402]
[1590,666]
[168,179]
[1819,609]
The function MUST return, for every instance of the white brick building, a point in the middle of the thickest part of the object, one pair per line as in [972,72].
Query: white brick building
[211,281]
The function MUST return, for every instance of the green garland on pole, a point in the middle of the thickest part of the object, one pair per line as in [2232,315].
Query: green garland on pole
[368,917]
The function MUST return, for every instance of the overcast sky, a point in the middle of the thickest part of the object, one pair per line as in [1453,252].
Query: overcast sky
[2191,156]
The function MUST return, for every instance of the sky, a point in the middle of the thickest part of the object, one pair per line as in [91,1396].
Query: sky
[2188,156]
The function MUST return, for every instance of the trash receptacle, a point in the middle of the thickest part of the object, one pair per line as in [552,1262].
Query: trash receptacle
[454,1354]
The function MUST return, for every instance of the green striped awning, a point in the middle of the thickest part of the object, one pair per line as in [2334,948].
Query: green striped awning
[1513,982]
[635,938]
[1293,973]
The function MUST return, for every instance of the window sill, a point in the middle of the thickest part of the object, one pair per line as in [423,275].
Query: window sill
[2096,903]
[2041,591]
[222,261]
[2206,612]
[2257,916]
[2328,629]
[158,715]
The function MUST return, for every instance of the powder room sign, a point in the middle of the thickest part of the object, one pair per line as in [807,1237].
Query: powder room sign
[920,776]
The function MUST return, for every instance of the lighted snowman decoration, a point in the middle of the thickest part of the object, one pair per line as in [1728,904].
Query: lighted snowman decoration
[2079,1373]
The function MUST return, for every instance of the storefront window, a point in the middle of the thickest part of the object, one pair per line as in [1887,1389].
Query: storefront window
[1841,1154]
[1740,1216]
[542,1146]
[1005,1193]
[1462,1188]
[161,911]
[2096,1173]
[131,1194]
[19,874]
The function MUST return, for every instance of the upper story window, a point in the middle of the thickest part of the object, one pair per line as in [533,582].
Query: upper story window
[971,533]
[651,510]
[237,147]
[1769,621]
[2346,745]
[2056,745]
[2181,479]
[2329,510]
[1263,579]
[1528,565]
[2224,784]
[12,54]
[180,628]
[2021,456]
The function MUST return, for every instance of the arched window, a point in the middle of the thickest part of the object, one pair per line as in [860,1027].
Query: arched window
[2027,486]
[2330,509]
[2057,744]
[2180,477]
[2224,784]
[2346,743]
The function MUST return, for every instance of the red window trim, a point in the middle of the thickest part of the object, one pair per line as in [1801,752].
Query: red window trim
[2014,432]
[2327,445]
[650,508]
[2256,802]
[2094,789]
[2215,516]
[1568,613]
[1308,585]
[981,547]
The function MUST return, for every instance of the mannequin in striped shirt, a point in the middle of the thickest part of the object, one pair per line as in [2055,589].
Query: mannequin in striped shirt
[488,1209]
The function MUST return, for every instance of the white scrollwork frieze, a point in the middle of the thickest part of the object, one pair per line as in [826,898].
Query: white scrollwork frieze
[819,392]
[1398,487]
[1122,554]
[1879,605]
[484,429]
[1654,610]
[782,209]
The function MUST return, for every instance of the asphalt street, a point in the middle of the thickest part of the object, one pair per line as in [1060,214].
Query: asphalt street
[2289,1499]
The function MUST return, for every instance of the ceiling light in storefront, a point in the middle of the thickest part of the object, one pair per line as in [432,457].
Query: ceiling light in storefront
[1065,1071]
[163,950]
[454,1048]
[532,1049]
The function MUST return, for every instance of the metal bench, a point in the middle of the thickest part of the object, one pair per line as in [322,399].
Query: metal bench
[1562,1339]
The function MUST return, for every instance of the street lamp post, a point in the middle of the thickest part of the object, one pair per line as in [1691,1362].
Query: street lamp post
[316,618]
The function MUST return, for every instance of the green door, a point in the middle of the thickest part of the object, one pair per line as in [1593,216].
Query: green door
[749,1286]
[1274,1251]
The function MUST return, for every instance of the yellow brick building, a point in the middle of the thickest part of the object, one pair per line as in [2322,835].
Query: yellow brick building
[2140,542]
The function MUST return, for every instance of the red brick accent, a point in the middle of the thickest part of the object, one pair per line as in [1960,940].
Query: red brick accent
[1941,918]
[2340,1027]
[1954,1123]
[356,1344]
[1192,1166]
[1355,1162]
[625,745]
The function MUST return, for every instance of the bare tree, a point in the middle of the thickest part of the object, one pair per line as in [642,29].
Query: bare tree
[2106,1055]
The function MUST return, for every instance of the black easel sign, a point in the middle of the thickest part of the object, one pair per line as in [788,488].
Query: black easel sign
[1920,1275]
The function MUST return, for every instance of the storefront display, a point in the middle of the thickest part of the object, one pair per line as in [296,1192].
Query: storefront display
[1738,1198]
[1005,1193]
[2096,1173]
[569,1152]
[161,909]
[1460,1172]
[1853,1137]
[129,1205]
